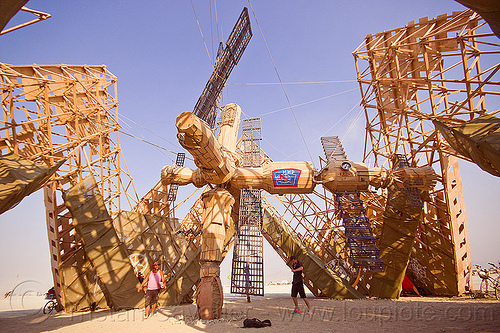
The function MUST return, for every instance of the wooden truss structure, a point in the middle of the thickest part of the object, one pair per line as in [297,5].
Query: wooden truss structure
[67,112]
[446,69]
[314,218]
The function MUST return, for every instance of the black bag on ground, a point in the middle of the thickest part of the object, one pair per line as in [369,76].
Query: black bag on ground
[254,322]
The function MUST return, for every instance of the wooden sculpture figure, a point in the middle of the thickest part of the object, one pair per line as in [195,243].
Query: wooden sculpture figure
[217,164]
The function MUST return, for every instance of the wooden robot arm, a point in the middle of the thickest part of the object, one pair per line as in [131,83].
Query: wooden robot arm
[343,175]
[198,139]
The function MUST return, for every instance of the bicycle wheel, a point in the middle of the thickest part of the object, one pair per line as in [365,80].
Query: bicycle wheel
[49,307]
[497,288]
[483,287]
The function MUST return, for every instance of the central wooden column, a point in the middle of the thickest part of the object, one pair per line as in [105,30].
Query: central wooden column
[216,216]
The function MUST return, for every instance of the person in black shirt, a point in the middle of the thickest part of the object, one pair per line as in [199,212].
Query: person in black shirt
[298,285]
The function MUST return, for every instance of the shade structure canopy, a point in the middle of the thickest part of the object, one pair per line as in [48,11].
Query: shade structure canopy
[477,140]
[19,177]
[488,9]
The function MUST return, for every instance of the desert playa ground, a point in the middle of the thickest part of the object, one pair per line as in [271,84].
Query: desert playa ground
[409,314]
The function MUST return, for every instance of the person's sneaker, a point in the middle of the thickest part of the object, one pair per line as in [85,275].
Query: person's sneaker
[310,312]
[295,312]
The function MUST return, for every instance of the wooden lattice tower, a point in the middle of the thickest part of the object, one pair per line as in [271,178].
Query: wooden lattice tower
[251,136]
[247,274]
[52,112]
[409,76]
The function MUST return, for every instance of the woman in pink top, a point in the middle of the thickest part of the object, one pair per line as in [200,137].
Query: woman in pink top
[155,281]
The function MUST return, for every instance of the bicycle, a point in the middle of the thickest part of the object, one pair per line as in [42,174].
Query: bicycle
[486,279]
[49,306]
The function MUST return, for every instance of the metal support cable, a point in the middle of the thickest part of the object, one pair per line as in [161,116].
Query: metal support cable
[152,144]
[290,83]
[281,83]
[201,32]
[308,102]
[338,122]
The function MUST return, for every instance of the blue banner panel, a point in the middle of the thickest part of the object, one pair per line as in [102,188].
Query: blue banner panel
[286,177]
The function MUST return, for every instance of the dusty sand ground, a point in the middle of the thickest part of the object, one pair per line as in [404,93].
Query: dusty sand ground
[409,314]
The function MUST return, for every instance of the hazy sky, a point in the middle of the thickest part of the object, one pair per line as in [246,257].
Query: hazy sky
[156,50]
